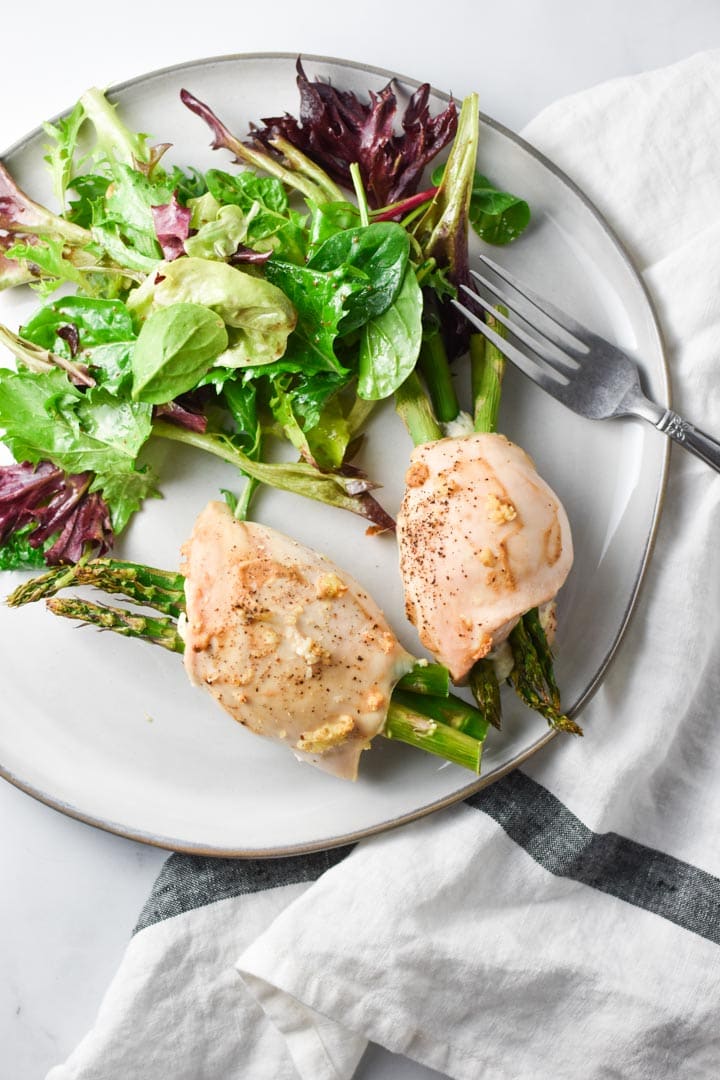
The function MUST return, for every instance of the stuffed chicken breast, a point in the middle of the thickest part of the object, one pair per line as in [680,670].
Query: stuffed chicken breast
[288,644]
[482,540]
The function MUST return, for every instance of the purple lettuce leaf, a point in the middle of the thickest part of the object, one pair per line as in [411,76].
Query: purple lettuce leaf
[335,128]
[172,227]
[243,254]
[177,413]
[21,214]
[12,272]
[54,502]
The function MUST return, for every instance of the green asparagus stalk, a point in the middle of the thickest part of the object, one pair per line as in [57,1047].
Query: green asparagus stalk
[412,727]
[159,589]
[158,631]
[427,679]
[529,679]
[433,364]
[537,636]
[486,691]
[487,367]
[415,411]
[450,710]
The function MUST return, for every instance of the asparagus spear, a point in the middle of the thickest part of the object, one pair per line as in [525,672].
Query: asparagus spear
[428,718]
[417,729]
[529,679]
[157,631]
[427,679]
[159,589]
[450,710]
[486,691]
[487,367]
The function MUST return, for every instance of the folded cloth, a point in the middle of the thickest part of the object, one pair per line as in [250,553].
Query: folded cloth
[564,922]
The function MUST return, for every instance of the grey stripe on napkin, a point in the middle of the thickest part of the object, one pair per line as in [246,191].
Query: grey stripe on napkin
[559,842]
[192,881]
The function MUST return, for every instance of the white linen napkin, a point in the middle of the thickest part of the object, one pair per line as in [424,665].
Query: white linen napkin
[564,922]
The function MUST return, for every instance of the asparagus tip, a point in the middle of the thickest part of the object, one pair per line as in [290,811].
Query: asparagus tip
[561,722]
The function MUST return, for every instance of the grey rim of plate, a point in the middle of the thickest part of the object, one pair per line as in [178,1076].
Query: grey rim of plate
[484,781]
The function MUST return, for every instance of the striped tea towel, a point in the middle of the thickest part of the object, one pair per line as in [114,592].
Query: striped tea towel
[563,923]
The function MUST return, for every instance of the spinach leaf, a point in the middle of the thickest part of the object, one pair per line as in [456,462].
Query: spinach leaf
[257,314]
[375,258]
[319,299]
[105,336]
[246,188]
[175,348]
[390,343]
[496,216]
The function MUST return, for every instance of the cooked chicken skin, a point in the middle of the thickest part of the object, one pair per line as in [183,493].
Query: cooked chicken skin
[482,540]
[285,642]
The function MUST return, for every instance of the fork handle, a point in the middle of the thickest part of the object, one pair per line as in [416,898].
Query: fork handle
[694,440]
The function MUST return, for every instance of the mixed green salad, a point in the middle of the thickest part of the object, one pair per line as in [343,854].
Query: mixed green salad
[230,308]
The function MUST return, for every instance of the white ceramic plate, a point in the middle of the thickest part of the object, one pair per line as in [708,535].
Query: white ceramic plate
[110,731]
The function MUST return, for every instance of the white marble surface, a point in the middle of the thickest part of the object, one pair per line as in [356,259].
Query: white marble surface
[69,894]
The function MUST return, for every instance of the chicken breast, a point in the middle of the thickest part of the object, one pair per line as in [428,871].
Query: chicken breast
[288,644]
[482,540]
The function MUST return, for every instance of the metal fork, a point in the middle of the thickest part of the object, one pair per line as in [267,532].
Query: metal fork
[578,367]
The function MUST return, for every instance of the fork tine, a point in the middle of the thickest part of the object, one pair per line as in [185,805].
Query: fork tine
[561,318]
[559,363]
[526,365]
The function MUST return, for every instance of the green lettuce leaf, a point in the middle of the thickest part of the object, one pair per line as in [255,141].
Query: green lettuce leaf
[259,316]
[105,336]
[60,154]
[17,554]
[46,418]
[124,492]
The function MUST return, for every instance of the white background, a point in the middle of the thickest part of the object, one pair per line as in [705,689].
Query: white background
[69,894]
